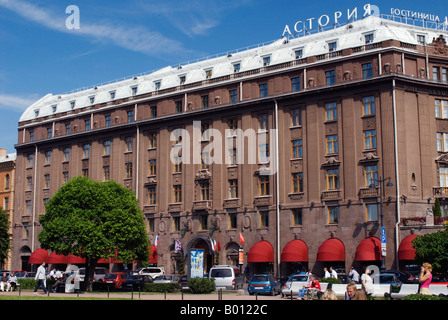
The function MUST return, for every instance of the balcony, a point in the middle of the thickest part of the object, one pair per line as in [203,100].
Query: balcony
[331,195]
[231,203]
[440,192]
[369,193]
[202,205]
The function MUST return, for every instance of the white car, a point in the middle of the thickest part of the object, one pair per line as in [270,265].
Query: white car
[151,271]
[295,283]
[167,278]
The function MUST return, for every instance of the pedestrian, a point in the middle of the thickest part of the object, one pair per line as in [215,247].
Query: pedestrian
[40,277]
[3,281]
[353,275]
[334,274]
[425,278]
[350,291]
[367,282]
[326,273]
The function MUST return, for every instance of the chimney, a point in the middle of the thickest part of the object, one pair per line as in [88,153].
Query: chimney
[2,152]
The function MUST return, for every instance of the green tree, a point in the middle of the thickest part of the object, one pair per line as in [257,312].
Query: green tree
[5,236]
[94,220]
[432,248]
[436,208]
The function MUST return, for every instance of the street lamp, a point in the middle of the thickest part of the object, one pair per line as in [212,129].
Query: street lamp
[372,185]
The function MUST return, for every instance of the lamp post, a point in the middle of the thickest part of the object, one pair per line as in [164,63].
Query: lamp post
[373,185]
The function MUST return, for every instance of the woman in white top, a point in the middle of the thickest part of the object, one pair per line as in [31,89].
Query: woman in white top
[367,282]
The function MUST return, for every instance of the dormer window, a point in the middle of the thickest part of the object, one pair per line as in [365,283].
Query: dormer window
[182,79]
[266,61]
[208,73]
[298,53]
[134,90]
[54,107]
[157,85]
[92,99]
[112,95]
[332,46]
[421,39]
[36,113]
[368,38]
[236,67]
[72,104]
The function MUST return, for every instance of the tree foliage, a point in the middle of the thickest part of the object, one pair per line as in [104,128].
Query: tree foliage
[94,220]
[5,236]
[432,248]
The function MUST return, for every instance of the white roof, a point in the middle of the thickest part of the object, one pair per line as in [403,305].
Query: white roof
[347,36]
[8,157]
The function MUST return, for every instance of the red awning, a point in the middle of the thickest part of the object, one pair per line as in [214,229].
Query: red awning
[368,250]
[295,251]
[56,258]
[261,251]
[405,250]
[72,259]
[331,250]
[38,256]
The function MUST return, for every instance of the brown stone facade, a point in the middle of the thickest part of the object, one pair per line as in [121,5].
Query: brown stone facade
[331,138]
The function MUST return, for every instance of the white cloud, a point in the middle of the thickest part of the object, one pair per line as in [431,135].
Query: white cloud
[134,38]
[16,103]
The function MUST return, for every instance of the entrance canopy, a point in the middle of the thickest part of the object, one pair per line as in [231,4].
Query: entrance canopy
[38,256]
[295,251]
[331,250]
[405,250]
[368,250]
[261,251]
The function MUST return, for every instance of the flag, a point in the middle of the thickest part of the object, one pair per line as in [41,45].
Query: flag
[213,243]
[241,238]
[156,241]
[219,246]
[178,246]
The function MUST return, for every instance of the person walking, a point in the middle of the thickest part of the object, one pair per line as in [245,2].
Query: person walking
[425,278]
[333,272]
[367,282]
[353,275]
[326,273]
[40,277]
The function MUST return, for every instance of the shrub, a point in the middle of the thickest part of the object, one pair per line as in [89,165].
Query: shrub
[420,296]
[201,285]
[161,287]
[331,280]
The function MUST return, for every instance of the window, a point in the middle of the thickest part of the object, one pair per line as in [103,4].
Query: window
[296,117]
[297,182]
[28,207]
[86,151]
[263,119]
[205,160]
[152,195]
[54,108]
[106,173]
[182,79]
[264,219]
[30,160]
[85,173]
[298,53]
[7,181]
[130,116]
[6,203]
[233,126]
[208,73]
[67,128]
[266,61]
[106,146]
[441,108]
[297,217]
[233,156]
[205,132]
[369,139]
[435,73]
[49,133]
[72,104]
[263,182]
[331,111]
[295,84]
[367,70]
[178,106]
[134,90]
[203,222]
[205,189]
[332,46]
[65,177]
[233,188]
[333,215]
[372,212]
[371,175]
[152,167]
[204,101]
[48,157]
[264,152]
[87,124]
[333,179]
[233,220]
[112,95]
[368,38]
[330,77]
[152,137]
[46,181]
[332,144]
[368,106]
[31,136]
[29,181]
[421,39]
[233,96]
[129,144]
[236,67]
[92,99]
[128,168]
[176,223]
[178,164]
[296,148]
[66,153]
[107,121]
[442,142]
[153,110]
[177,193]
[157,85]
[263,90]
[444,75]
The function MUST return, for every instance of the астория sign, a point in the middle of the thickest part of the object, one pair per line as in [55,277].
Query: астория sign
[324,20]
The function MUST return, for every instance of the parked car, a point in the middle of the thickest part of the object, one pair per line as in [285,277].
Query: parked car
[21,274]
[403,277]
[386,278]
[264,283]
[115,278]
[295,283]
[136,281]
[226,277]
[98,274]
[167,278]
[151,271]
[183,281]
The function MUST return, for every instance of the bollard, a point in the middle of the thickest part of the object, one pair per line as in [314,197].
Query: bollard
[291,294]
[108,290]
[132,293]
[182,292]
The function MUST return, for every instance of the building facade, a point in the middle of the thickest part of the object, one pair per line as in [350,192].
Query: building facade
[7,188]
[296,154]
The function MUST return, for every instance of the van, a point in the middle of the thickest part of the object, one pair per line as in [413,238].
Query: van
[226,277]
[152,271]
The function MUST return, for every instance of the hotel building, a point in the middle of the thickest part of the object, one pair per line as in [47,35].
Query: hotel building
[345,135]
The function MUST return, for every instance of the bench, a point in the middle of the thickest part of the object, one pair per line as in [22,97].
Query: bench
[381,290]
[405,290]
[436,289]
[340,289]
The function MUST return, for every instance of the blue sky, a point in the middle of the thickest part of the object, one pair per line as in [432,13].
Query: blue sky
[40,55]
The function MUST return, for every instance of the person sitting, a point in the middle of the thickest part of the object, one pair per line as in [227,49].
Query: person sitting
[12,282]
[313,285]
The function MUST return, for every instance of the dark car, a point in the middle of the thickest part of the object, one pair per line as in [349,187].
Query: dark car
[183,281]
[136,281]
[264,283]
[403,277]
